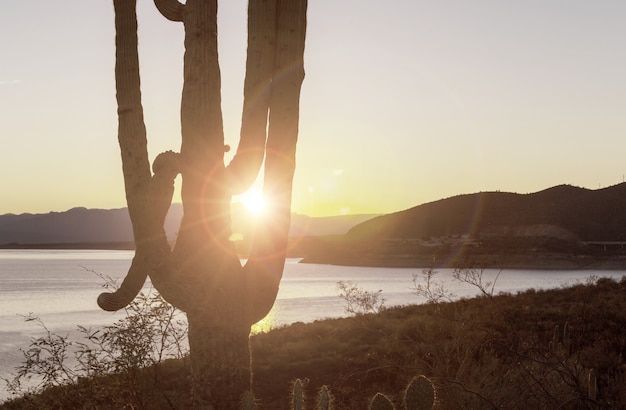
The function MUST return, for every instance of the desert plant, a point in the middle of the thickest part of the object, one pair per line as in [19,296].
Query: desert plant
[248,401]
[150,332]
[419,394]
[430,289]
[358,300]
[475,277]
[202,274]
[297,395]
[381,402]
[45,362]
[324,399]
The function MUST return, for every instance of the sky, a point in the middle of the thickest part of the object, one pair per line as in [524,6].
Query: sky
[404,102]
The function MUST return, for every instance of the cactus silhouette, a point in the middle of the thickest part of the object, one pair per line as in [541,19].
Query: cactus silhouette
[202,273]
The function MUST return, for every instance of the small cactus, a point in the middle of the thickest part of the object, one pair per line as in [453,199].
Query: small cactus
[560,343]
[419,394]
[324,399]
[297,395]
[248,402]
[381,402]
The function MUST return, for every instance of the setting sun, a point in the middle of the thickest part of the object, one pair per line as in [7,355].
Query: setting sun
[253,201]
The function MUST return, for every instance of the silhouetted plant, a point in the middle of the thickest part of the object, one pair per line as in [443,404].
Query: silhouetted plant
[358,300]
[432,290]
[150,332]
[475,278]
[202,274]
[381,402]
[45,362]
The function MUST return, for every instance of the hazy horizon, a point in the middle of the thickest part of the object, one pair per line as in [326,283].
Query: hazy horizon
[251,212]
[403,103]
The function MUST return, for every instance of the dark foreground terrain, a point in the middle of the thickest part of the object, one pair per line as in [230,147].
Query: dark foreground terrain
[561,348]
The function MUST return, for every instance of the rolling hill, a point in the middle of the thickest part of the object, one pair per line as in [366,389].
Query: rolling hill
[563,227]
[588,215]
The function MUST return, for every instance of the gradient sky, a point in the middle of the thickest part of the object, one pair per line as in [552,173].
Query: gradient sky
[404,102]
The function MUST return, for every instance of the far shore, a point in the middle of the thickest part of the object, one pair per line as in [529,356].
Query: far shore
[546,261]
[538,261]
[72,246]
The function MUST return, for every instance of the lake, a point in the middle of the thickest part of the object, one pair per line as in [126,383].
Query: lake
[61,286]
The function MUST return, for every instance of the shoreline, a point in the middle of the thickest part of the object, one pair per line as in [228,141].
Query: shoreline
[105,246]
[528,260]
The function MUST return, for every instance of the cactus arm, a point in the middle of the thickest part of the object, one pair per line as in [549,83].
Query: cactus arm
[172,10]
[166,167]
[145,195]
[244,167]
[266,262]
[130,287]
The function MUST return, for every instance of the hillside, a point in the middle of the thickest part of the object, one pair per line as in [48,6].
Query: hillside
[560,227]
[540,349]
[590,215]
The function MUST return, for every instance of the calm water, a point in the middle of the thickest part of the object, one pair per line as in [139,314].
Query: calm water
[61,288]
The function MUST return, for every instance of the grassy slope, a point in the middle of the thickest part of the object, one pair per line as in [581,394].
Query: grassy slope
[479,353]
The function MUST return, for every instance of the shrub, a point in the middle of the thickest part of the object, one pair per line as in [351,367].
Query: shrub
[150,332]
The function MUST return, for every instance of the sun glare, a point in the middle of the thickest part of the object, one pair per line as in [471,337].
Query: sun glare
[253,201]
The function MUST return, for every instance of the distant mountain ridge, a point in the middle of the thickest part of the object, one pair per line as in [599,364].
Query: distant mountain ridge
[564,211]
[82,225]
[588,215]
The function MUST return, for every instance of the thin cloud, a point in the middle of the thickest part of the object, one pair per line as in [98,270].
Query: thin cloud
[10,82]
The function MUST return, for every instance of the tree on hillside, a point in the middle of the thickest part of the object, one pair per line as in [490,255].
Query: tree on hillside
[202,274]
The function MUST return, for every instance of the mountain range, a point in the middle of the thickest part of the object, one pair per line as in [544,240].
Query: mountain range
[112,226]
[561,218]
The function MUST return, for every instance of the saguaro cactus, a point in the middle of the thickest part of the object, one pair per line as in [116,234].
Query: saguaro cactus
[202,274]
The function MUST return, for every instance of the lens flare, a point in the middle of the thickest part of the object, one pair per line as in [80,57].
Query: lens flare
[254,202]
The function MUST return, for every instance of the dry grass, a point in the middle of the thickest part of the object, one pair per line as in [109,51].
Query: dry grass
[487,352]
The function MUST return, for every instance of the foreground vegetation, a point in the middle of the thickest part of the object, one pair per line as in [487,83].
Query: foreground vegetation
[561,348]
